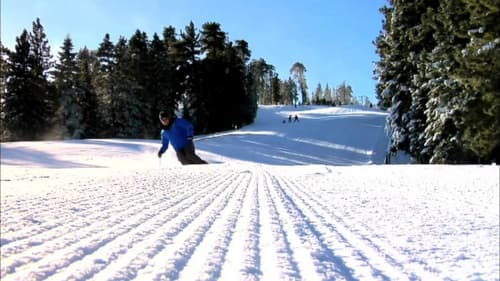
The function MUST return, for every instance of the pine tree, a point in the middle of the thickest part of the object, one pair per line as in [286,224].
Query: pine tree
[244,108]
[402,48]
[403,18]
[18,97]
[298,71]
[248,108]
[327,95]
[87,71]
[214,74]
[70,112]
[213,40]
[137,66]
[187,51]
[104,86]
[162,87]
[30,102]
[223,97]
[44,108]
[261,72]
[479,71]
[174,69]
[126,101]
[275,89]
[344,93]
[318,95]
[291,91]
[233,88]
[385,71]
[421,45]
[445,105]
[4,66]
[438,75]
[251,95]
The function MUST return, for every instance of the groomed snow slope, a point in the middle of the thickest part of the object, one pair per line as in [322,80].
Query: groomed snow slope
[300,205]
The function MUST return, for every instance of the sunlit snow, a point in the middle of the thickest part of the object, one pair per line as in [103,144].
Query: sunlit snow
[306,200]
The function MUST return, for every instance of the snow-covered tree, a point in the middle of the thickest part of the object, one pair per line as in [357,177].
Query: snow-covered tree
[438,75]
[480,72]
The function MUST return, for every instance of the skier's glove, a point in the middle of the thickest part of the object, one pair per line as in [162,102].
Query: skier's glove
[159,153]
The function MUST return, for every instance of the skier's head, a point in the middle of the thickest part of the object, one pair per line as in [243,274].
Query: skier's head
[164,118]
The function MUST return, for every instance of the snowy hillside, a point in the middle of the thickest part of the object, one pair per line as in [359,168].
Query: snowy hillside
[280,201]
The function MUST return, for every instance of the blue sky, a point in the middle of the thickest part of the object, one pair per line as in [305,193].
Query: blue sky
[332,38]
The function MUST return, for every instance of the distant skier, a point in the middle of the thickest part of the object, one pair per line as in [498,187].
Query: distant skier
[178,132]
[296,119]
[289,118]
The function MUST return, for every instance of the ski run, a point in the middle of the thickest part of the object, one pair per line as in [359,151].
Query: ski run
[243,218]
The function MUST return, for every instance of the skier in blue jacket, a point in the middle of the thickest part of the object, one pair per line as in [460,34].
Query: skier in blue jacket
[179,133]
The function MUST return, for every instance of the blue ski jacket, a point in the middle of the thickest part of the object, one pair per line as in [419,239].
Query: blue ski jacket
[178,135]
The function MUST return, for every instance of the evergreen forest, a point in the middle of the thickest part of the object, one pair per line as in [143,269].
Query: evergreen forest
[439,78]
[118,89]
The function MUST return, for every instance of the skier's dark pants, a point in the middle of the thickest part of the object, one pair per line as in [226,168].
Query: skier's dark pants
[187,155]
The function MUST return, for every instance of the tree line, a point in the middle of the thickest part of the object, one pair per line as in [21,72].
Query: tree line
[118,89]
[439,77]
[341,95]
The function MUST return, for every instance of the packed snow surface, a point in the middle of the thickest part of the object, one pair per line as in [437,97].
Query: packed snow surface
[306,200]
